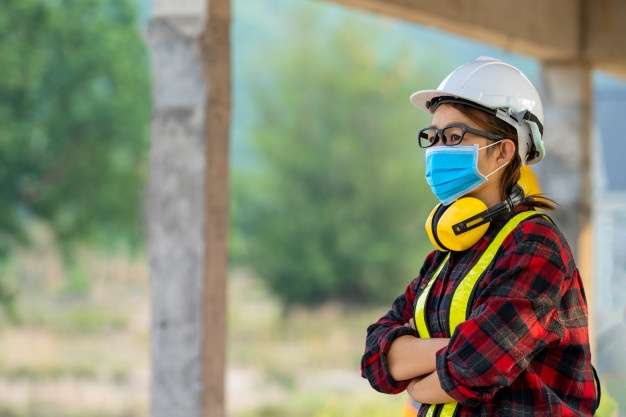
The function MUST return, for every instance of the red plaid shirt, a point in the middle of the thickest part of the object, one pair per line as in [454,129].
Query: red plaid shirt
[524,349]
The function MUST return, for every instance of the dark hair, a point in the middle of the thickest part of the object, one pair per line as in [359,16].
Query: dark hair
[511,174]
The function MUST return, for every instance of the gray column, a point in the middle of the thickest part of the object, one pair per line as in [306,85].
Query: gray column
[565,173]
[175,208]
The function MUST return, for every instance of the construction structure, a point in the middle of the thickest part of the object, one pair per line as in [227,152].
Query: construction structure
[188,189]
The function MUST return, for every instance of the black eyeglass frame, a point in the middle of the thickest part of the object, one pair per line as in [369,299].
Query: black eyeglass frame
[464,129]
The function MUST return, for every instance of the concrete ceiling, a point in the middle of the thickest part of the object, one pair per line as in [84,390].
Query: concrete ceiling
[592,31]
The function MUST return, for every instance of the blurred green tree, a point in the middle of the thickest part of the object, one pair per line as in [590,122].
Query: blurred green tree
[74,117]
[335,204]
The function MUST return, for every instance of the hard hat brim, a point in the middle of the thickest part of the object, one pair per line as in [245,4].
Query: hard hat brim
[421,99]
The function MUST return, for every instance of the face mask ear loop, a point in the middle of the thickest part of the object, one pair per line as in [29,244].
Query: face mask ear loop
[500,167]
[497,169]
[488,146]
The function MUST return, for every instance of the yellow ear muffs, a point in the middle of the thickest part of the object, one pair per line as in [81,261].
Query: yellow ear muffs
[528,181]
[431,226]
[442,218]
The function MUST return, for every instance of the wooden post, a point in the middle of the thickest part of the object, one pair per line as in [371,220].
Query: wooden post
[215,42]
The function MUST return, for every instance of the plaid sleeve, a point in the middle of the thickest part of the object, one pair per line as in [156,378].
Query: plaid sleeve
[381,335]
[530,299]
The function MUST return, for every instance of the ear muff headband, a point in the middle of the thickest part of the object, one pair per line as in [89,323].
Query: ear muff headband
[505,207]
[447,233]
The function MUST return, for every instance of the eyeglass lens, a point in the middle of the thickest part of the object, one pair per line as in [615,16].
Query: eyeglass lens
[451,135]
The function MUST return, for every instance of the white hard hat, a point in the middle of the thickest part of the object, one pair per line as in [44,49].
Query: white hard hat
[497,88]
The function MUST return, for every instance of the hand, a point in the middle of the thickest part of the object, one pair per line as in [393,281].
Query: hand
[411,324]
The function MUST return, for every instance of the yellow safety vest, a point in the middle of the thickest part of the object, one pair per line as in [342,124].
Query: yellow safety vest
[459,308]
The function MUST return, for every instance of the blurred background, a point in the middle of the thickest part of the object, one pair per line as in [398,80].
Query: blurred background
[319,242]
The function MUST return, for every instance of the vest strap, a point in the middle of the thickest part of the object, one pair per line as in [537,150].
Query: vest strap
[459,307]
[420,304]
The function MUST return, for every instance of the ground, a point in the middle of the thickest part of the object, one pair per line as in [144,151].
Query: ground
[81,346]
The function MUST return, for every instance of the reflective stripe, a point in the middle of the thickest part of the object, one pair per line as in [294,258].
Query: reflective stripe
[459,310]
[422,329]
[442,410]
[448,409]
[462,294]
[431,411]
[420,317]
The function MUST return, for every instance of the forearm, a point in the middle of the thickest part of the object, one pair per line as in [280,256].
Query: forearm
[410,357]
[427,390]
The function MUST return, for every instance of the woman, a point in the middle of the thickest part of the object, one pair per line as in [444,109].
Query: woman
[496,322]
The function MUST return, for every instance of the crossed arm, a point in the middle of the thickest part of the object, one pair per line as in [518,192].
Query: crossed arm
[412,358]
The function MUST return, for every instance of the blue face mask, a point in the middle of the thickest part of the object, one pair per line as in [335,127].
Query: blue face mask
[452,171]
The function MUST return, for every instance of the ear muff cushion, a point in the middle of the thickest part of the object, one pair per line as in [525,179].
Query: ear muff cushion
[528,181]
[431,226]
[458,211]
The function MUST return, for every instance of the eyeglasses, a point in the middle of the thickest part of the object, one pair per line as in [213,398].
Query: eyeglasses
[450,135]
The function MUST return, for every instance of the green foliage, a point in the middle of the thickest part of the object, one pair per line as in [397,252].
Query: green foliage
[608,407]
[613,394]
[74,111]
[334,207]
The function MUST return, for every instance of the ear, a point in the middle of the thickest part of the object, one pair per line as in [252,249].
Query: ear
[507,151]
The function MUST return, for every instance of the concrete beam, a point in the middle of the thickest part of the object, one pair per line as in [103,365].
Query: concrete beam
[604,42]
[556,30]
[547,30]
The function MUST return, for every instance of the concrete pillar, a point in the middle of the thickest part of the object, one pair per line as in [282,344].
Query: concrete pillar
[176,213]
[565,173]
[186,205]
